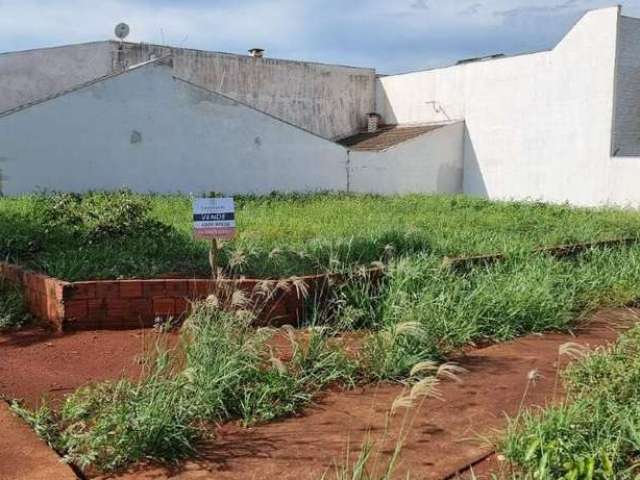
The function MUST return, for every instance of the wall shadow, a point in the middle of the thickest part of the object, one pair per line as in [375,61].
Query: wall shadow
[473,182]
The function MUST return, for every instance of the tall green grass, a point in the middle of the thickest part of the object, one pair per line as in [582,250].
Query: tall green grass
[595,433]
[222,370]
[421,311]
[121,234]
[417,314]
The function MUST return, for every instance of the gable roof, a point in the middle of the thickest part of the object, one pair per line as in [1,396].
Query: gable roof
[386,136]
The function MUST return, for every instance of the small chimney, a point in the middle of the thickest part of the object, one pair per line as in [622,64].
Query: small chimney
[257,52]
[373,120]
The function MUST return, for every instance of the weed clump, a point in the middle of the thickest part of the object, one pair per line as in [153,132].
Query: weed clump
[222,370]
[99,215]
[93,236]
[13,313]
[595,433]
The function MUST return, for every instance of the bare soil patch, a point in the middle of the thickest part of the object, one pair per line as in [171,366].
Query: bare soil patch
[24,455]
[37,363]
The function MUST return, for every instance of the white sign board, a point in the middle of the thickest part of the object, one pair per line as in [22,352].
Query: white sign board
[214,218]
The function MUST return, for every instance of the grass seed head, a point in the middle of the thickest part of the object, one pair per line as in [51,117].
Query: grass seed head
[426,366]
[212,301]
[239,299]
[300,286]
[573,350]
[409,329]
[451,371]
[534,376]
[238,258]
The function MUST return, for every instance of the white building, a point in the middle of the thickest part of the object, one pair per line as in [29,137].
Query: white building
[559,125]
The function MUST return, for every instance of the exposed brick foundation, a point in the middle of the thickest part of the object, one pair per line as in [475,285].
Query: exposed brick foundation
[125,304]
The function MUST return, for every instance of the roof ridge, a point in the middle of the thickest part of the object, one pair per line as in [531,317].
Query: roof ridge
[80,86]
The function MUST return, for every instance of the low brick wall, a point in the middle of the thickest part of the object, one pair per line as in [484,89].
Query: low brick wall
[128,304]
[43,295]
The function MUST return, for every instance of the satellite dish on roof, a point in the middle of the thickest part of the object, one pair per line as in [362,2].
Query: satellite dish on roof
[121,31]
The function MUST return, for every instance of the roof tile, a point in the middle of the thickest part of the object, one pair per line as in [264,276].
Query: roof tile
[386,136]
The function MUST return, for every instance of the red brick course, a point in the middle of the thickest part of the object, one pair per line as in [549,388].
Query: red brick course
[125,304]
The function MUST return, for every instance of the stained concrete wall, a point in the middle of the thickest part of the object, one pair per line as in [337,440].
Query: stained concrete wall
[33,74]
[430,163]
[538,126]
[329,100]
[151,132]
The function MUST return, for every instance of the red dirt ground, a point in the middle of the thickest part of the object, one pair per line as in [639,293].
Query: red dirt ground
[37,363]
[442,437]
[36,460]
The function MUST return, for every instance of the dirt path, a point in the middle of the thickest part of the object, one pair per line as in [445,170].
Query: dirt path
[445,435]
[24,456]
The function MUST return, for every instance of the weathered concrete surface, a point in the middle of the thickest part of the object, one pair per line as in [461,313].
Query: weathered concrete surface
[149,131]
[24,455]
[33,74]
[329,100]
[626,126]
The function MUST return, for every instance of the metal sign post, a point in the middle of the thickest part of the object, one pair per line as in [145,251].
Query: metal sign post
[214,218]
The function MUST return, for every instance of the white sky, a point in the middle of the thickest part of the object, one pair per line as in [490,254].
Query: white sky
[390,35]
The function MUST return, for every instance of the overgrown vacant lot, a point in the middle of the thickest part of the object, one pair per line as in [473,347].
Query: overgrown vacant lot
[123,235]
[406,323]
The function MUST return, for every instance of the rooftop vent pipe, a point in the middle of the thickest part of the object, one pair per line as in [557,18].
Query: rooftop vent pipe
[257,52]
[373,121]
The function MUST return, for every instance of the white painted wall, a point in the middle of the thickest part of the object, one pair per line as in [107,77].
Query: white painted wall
[430,163]
[151,132]
[34,74]
[538,126]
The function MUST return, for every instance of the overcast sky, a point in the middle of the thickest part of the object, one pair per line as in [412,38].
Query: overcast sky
[391,35]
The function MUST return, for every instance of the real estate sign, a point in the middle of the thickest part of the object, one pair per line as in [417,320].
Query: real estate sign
[214,218]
